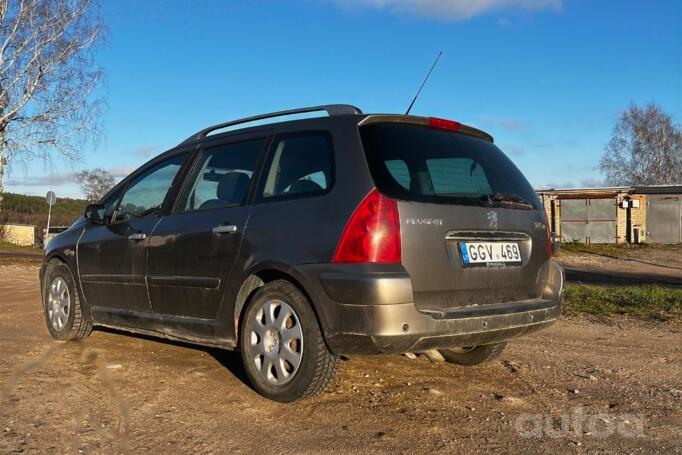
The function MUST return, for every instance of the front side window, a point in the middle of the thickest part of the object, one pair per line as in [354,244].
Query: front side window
[146,193]
[108,206]
[222,176]
[301,165]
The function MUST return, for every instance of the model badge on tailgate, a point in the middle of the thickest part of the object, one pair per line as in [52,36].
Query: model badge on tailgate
[433,221]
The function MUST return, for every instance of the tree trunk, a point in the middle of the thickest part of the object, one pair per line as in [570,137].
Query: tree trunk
[3,163]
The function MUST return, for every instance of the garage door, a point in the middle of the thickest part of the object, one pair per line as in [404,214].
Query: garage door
[664,219]
[588,220]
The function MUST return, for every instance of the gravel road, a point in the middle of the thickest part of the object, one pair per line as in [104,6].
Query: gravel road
[615,385]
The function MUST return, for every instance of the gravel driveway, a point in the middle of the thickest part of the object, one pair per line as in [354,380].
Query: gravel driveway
[615,384]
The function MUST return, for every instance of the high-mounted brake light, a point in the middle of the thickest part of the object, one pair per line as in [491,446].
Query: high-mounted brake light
[444,124]
[372,233]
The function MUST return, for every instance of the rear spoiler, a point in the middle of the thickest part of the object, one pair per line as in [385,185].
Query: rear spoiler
[426,121]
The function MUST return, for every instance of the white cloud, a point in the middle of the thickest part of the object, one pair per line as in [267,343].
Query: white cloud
[513,150]
[455,9]
[61,179]
[121,172]
[506,123]
[592,183]
[42,180]
[148,151]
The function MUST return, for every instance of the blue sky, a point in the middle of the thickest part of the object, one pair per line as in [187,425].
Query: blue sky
[548,78]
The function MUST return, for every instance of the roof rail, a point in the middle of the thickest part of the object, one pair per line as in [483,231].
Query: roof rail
[331,109]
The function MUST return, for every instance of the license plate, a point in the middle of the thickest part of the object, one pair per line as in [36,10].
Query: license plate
[490,254]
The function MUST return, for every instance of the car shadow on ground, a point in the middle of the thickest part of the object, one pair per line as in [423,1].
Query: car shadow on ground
[620,277]
[230,360]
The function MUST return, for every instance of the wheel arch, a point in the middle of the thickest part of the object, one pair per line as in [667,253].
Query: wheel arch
[48,263]
[259,277]
[66,256]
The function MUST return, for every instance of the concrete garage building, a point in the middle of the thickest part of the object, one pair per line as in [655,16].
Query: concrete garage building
[615,214]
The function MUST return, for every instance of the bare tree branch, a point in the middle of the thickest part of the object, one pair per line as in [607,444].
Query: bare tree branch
[645,149]
[48,78]
[95,183]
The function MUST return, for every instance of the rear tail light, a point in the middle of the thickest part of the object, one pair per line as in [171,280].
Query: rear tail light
[550,247]
[372,233]
[444,124]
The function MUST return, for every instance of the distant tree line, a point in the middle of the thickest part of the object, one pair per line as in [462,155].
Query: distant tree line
[19,208]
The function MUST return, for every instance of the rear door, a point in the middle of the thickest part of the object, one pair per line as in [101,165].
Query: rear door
[191,251]
[471,226]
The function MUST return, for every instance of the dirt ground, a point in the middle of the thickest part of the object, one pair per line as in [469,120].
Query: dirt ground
[650,264]
[615,384]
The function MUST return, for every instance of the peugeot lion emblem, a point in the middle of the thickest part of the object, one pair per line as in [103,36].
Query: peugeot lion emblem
[492,218]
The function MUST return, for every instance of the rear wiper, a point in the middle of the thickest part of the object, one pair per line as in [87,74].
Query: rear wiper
[508,198]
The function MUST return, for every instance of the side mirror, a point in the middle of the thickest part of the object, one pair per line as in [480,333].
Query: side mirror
[95,213]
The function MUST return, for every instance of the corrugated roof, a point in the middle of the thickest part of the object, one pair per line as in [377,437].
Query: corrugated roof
[659,189]
[605,189]
[649,189]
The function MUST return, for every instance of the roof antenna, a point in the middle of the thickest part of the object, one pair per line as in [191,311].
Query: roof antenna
[423,83]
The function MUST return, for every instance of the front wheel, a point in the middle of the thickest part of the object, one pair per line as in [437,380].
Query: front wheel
[284,353]
[62,306]
[473,355]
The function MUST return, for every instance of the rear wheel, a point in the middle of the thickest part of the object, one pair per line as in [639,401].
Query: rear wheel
[282,347]
[474,355]
[61,303]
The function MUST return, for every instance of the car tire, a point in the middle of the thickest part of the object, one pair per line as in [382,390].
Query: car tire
[281,344]
[473,356]
[64,314]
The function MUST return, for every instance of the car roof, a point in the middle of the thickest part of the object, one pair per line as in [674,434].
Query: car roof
[334,111]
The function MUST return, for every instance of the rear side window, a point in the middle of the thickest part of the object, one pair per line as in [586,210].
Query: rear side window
[413,162]
[300,165]
[222,176]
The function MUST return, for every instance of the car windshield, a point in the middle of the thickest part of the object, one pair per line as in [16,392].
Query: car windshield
[418,163]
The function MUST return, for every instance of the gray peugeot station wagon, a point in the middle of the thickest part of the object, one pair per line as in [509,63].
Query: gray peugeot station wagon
[298,241]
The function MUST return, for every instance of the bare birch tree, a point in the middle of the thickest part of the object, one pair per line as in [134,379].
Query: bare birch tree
[645,149]
[48,75]
[95,183]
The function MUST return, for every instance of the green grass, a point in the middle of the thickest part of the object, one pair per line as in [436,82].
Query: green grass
[6,246]
[615,250]
[605,249]
[649,302]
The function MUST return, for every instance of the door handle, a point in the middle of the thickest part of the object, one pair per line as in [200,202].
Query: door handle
[137,236]
[225,229]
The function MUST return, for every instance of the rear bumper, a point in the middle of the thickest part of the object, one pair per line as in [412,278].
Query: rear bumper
[383,320]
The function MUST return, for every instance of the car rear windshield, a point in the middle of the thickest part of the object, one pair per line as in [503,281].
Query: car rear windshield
[419,163]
